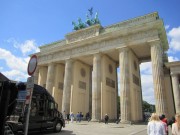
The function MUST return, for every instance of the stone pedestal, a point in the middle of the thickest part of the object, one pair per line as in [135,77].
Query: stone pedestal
[67,86]
[96,88]
[176,91]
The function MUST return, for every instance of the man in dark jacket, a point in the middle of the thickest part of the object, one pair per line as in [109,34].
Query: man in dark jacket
[106,118]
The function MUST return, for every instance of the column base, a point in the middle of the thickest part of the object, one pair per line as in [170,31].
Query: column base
[126,122]
[95,120]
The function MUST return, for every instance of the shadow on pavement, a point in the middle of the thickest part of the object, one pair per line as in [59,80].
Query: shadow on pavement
[63,132]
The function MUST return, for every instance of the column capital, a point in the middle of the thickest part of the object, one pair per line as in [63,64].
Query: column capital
[51,63]
[123,49]
[98,55]
[69,60]
[154,42]
[174,74]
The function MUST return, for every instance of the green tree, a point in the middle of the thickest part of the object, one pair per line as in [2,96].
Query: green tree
[148,107]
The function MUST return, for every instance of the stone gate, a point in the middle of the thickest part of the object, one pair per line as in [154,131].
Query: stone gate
[80,71]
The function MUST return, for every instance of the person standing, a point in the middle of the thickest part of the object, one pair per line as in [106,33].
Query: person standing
[171,121]
[77,117]
[106,118]
[164,123]
[64,116]
[176,125]
[155,126]
[67,116]
[88,116]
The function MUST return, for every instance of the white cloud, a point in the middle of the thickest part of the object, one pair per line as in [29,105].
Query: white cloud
[16,75]
[15,67]
[13,62]
[146,68]
[167,27]
[147,82]
[1,68]
[174,39]
[171,59]
[29,46]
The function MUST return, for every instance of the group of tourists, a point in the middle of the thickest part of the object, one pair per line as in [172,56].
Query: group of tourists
[78,117]
[158,125]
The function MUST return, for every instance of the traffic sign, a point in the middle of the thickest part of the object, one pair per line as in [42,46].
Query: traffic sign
[32,65]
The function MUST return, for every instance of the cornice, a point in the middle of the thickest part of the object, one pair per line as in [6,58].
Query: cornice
[172,64]
[107,30]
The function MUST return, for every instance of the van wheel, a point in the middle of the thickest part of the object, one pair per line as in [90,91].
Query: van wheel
[57,127]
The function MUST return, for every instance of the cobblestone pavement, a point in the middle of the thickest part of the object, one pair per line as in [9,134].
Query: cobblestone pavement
[92,128]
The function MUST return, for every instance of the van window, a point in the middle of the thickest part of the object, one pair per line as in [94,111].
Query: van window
[51,105]
[33,108]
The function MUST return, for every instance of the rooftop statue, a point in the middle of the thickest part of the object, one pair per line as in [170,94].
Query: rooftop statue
[96,19]
[81,24]
[75,26]
[89,20]
[91,11]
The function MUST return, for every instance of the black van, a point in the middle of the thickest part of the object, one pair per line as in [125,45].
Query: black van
[44,114]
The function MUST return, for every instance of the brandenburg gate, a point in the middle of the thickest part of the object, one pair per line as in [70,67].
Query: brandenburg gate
[80,71]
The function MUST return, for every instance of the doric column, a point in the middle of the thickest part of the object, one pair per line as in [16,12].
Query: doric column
[124,85]
[42,76]
[158,77]
[96,88]
[36,74]
[50,77]
[67,86]
[176,91]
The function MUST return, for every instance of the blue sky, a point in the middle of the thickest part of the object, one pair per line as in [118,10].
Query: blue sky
[27,24]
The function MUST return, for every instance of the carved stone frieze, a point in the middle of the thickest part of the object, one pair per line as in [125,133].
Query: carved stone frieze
[101,46]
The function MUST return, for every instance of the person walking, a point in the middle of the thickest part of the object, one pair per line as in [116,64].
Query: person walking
[155,126]
[72,117]
[176,125]
[106,118]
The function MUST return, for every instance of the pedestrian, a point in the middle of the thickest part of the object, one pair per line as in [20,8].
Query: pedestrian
[164,119]
[164,123]
[171,121]
[88,116]
[155,126]
[77,117]
[64,115]
[106,118]
[67,116]
[176,125]
[80,116]
[72,117]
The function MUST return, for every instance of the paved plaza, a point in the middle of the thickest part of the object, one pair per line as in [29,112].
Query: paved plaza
[94,128]
[91,128]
